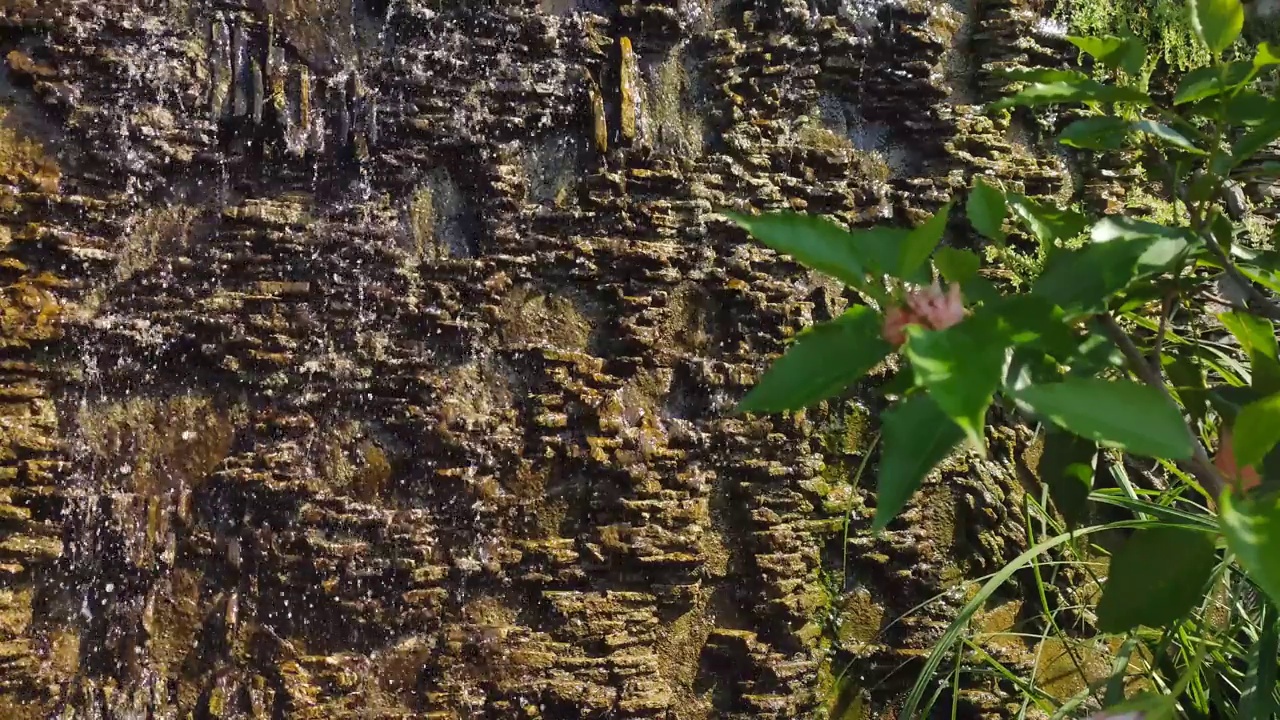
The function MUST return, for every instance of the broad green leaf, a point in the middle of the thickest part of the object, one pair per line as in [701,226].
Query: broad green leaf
[823,360]
[919,244]
[956,265]
[1046,222]
[1252,527]
[812,241]
[1167,135]
[1096,133]
[986,209]
[1126,54]
[1257,337]
[1029,366]
[1229,400]
[1033,320]
[1250,107]
[961,368]
[880,248]
[1082,280]
[1207,82]
[1187,378]
[1121,414]
[917,435]
[1251,144]
[1120,227]
[1123,249]
[1266,56]
[1163,244]
[1217,22]
[1222,229]
[1065,92]
[1157,577]
[1257,430]
[1066,466]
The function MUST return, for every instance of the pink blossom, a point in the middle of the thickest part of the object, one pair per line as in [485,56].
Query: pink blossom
[928,307]
[896,320]
[1225,461]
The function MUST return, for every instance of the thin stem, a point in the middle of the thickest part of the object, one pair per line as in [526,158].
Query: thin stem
[1200,467]
[1167,307]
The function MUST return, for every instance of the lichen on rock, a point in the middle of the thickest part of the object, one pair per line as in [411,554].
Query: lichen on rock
[377,357]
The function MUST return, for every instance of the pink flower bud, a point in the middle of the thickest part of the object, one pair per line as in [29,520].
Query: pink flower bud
[928,307]
[896,320]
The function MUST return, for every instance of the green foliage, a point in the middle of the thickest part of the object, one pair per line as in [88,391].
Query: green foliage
[1257,430]
[1252,527]
[917,436]
[805,373]
[1120,414]
[1098,342]
[1217,22]
[1127,54]
[961,368]
[1067,465]
[1163,24]
[987,210]
[1143,588]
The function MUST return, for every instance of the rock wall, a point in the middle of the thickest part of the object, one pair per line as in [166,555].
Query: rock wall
[372,358]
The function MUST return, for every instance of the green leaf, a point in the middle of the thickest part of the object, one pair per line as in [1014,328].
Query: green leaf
[1157,577]
[1217,22]
[814,242]
[1249,107]
[920,243]
[1167,135]
[1228,400]
[1066,466]
[880,248]
[1082,280]
[1252,527]
[1120,227]
[1188,381]
[1048,223]
[1222,229]
[961,368]
[1123,250]
[1257,337]
[1252,143]
[986,209]
[1033,320]
[1126,54]
[1257,430]
[823,360]
[917,435]
[1122,414]
[1096,133]
[1162,244]
[957,266]
[1266,56]
[1207,82]
[1094,355]
[1065,92]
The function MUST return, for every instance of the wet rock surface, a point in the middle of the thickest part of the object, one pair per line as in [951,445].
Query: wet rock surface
[372,358]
